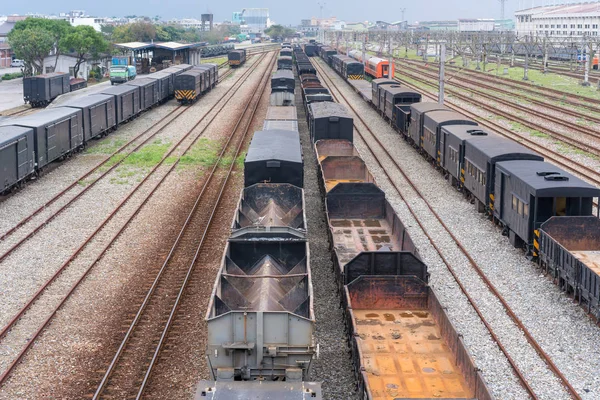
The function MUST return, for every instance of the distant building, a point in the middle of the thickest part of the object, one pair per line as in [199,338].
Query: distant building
[6,53]
[207,22]
[566,20]
[94,22]
[436,25]
[252,21]
[476,25]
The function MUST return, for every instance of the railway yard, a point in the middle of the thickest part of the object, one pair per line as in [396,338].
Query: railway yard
[283,225]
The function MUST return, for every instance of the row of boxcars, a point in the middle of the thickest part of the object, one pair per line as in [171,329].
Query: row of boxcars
[346,66]
[29,143]
[312,89]
[402,342]
[196,81]
[40,90]
[235,58]
[260,316]
[542,208]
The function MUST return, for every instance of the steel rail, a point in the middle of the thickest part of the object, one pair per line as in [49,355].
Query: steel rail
[32,300]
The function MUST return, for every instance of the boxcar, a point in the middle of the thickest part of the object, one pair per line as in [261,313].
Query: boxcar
[213,74]
[236,57]
[127,100]
[97,112]
[328,120]
[397,95]
[480,158]
[569,249]
[17,160]
[274,156]
[432,123]
[40,90]
[284,79]
[57,133]
[285,52]
[165,84]
[452,145]
[375,83]
[188,86]
[310,49]
[149,92]
[417,113]
[528,193]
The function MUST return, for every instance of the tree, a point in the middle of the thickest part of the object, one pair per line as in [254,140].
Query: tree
[31,45]
[83,40]
[107,30]
[38,29]
[135,32]
[279,31]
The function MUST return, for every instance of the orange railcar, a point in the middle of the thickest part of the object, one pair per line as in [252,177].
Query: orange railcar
[375,66]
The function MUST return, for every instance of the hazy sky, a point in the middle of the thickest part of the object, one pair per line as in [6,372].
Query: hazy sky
[286,12]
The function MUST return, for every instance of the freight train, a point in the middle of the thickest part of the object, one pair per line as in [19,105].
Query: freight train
[375,67]
[389,307]
[235,58]
[193,83]
[525,195]
[28,144]
[260,317]
[40,90]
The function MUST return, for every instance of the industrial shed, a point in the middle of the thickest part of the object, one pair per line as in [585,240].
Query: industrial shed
[274,156]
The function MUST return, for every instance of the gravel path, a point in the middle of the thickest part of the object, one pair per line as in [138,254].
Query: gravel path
[561,327]
[333,367]
[72,348]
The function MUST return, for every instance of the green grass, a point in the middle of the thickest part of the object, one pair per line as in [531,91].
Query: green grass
[205,153]
[149,155]
[516,126]
[105,147]
[15,75]
[215,60]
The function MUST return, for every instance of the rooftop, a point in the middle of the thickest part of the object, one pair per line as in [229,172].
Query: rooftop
[563,9]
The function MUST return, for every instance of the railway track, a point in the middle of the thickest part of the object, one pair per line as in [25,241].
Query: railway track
[585,146]
[77,191]
[371,141]
[522,86]
[12,335]
[129,371]
[579,169]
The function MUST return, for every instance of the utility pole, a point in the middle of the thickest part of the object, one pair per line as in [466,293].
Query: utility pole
[402,10]
[502,3]
[588,53]
[442,62]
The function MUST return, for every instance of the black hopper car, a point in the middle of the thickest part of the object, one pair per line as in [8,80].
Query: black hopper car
[541,208]
[29,143]
[236,58]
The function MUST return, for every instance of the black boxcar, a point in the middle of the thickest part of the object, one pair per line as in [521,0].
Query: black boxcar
[97,112]
[528,193]
[165,84]
[181,67]
[285,52]
[16,155]
[569,249]
[284,79]
[432,124]
[311,98]
[236,57]
[398,96]
[42,89]
[213,74]
[176,69]
[204,77]
[284,62]
[188,85]
[149,92]
[310,49]
[127,101]
[274,156]
[480,158]
[56,132]
[452,146]
[329,120]
[375,87]
[417,113]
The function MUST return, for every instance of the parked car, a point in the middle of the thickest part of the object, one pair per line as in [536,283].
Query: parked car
[17,63]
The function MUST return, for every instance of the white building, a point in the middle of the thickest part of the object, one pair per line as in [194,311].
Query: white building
[565,20]
[94,22]
[66,63]
[476,25]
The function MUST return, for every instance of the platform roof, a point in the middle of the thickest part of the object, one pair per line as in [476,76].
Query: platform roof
[165,45]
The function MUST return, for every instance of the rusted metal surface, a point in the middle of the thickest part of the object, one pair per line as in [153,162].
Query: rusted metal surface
[492,288]
[334,147]
[403,344]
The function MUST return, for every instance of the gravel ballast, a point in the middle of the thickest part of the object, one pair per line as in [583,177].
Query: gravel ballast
[561,327]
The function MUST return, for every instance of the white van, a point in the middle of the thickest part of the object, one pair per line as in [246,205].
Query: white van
[17,63]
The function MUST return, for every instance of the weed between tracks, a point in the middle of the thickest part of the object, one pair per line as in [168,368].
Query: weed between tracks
[105,147]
